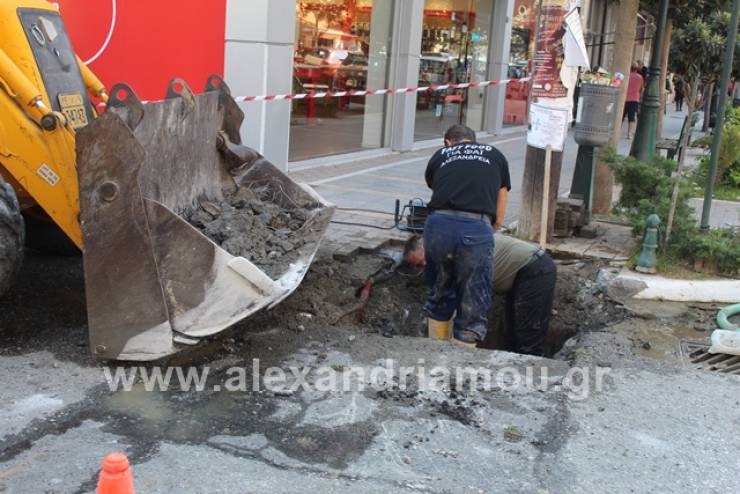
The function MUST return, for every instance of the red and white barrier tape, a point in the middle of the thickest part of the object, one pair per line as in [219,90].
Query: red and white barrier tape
[373,92]
[370,92]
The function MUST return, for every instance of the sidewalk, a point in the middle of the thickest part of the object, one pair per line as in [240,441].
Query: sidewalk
[375,183]
[365,189]
[722,215]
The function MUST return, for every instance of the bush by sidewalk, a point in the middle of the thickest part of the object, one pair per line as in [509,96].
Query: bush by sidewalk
[647,189]
[727,182]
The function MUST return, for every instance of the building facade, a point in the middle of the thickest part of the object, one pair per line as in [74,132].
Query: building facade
[268,47]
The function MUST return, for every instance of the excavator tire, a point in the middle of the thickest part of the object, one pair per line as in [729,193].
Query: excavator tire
[11,236]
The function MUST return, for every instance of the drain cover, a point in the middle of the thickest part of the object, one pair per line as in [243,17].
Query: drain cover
[700,358]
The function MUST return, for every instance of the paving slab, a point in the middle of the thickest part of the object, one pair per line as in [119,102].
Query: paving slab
[613,243]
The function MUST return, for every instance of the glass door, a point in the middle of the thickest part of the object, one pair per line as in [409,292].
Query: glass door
[340,46]
[454,49]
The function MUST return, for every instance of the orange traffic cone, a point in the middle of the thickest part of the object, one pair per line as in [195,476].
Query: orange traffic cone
[115,475]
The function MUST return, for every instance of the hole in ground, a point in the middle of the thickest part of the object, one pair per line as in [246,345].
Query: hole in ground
[332,294]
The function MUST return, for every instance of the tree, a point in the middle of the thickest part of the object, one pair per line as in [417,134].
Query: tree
[680,12]
[696,53]
[624,42]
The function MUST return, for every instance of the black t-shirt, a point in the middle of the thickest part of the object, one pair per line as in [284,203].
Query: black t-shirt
[467,177]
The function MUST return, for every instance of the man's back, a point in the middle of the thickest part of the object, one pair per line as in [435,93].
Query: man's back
[510,256]
[467,177]
[634,87]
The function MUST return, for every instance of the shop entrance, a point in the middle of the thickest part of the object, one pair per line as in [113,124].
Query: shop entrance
[340,45]
[454,49]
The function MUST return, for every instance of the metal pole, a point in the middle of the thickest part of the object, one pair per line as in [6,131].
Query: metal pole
[545,211]
[467,77]
[643,145]
[719,122]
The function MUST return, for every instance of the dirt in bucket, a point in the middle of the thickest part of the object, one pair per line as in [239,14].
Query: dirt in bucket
[249,224]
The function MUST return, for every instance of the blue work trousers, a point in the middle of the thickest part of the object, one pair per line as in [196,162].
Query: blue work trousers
[459,271]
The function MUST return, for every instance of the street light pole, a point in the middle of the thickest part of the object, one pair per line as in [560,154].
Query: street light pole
[719,122]
[643,145]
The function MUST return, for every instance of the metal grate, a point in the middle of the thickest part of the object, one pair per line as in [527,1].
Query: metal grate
[700,358]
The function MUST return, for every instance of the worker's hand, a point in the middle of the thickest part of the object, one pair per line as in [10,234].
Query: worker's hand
[497,226]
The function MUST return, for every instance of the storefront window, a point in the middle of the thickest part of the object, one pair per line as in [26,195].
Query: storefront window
[340,45]
[454,49]
[521,52]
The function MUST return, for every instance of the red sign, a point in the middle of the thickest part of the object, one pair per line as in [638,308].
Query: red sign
[148,42]
[549,51]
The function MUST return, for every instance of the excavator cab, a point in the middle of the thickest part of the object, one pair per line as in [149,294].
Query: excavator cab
[183,230]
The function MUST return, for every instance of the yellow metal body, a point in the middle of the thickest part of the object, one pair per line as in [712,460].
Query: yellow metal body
[154,283]
[38,163]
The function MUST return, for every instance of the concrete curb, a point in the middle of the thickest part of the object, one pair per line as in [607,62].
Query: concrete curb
[660,288]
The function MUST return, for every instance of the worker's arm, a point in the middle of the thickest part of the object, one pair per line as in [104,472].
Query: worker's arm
[432,168]
[503,195]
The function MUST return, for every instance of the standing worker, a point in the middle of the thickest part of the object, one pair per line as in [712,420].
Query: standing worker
[632,103]
[526,275]
[470,183]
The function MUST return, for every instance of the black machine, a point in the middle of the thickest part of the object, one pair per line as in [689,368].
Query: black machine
[412,216]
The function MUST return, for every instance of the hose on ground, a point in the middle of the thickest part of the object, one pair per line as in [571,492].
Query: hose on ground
[723,316]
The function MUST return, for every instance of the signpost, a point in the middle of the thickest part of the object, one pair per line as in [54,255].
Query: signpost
[548,128]
[550,110]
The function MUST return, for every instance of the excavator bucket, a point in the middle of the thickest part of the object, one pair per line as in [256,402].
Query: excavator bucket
[185,231]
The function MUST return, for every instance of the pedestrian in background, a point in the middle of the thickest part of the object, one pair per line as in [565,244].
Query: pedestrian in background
[470,184]
[642,69]
[678,88]
[632,103]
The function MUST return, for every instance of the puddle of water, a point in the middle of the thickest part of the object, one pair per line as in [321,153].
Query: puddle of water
[659,341]
[146,418]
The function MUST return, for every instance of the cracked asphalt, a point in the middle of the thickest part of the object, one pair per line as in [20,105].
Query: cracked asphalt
[651,427]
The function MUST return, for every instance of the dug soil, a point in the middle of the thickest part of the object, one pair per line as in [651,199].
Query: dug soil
[332,295]
[248,223]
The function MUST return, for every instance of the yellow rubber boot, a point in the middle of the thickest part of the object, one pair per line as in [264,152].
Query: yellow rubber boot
[464,343]
[439,330]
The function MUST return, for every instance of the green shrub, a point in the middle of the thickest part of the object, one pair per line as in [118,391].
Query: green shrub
[733,176]
[728,162]
[704,142]
[721,246]
[647,188]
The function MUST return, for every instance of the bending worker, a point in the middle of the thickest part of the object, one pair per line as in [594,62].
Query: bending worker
[469,183]
[526,275]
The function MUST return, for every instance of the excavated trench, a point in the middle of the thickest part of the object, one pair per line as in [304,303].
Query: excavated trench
[371,292]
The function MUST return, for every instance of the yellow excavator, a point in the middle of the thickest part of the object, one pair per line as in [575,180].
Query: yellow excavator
[120,186]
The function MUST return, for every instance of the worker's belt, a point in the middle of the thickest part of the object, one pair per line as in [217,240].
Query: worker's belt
[464,214]
[536,257]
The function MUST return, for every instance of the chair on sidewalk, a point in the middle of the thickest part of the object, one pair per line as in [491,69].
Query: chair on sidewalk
[673,146]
